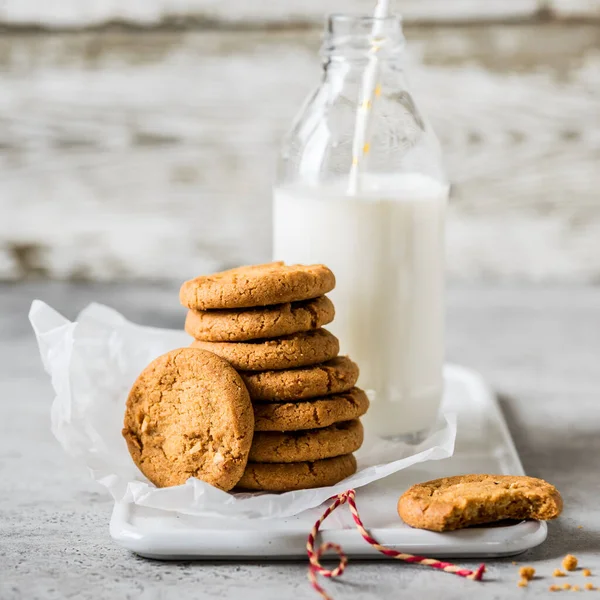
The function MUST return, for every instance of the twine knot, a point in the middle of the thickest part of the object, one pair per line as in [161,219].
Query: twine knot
[314,556]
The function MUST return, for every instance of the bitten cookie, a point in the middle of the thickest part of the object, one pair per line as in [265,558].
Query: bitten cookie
[288,352]
[310,414]
[306,446]
[277,477]
[332,377]
[242,324]
[189,415]
[258,285]
[456,502]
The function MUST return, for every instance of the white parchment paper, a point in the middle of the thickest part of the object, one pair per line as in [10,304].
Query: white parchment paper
[94,361]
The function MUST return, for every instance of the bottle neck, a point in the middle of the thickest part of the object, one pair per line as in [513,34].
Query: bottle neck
[362,39]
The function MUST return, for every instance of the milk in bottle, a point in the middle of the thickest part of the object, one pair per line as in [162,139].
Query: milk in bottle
[382,235]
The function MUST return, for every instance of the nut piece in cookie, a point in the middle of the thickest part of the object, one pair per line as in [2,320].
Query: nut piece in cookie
[189,415]
[257,285]
[457,502]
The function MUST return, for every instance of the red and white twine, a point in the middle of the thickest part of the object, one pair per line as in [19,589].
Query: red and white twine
[314,556]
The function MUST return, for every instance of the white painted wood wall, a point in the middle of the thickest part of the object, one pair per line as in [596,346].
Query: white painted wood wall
[149,154]
[91,13]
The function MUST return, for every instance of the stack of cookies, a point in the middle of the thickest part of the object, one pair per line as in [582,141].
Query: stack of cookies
[267,322]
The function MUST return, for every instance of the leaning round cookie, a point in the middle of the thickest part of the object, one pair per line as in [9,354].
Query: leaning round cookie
[309,445]
[189,415]
[242,324]
[463,500]
[286,477]
[310,414]
[258,285]
[287,352]
[332,377]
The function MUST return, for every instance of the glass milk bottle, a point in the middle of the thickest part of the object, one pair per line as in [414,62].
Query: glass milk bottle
[361,188]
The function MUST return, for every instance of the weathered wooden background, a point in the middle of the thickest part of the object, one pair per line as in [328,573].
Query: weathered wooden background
[138,139]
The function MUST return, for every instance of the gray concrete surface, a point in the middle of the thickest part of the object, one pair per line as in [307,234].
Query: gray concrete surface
[540,348]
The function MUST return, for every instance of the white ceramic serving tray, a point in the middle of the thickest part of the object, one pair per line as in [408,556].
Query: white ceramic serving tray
[483,445]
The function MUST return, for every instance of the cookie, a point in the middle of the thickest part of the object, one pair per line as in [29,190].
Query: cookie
[189,415]
[287,352]
[258,285]
[306,446]
[332,377]
[242,324]
[310,414]
[286,477]
[456,502]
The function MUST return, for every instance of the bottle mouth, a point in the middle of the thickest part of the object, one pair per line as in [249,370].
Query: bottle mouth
[362,34]
[345,20]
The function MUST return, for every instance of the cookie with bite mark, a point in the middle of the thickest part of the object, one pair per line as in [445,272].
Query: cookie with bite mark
[461,501]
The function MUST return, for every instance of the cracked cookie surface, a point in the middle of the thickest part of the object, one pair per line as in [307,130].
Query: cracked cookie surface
[278,477]
[308,445]
[189,415]
[310,414]
[456,502]
[286,352]
[332,377]
[257,285]
[242,324]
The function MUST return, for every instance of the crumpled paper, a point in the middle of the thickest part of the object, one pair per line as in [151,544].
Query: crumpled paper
[93,363]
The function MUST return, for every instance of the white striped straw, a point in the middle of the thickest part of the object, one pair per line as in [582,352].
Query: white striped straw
[369,90]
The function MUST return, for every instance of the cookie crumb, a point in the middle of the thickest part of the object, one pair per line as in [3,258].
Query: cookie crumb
[569,562]
[523,583]
[589,587]
[566,586]
[558,573]
[586,572]
[575,588]
[554,588]
[527,573]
